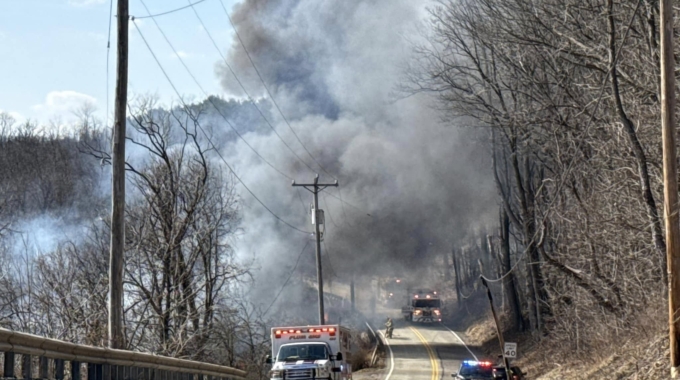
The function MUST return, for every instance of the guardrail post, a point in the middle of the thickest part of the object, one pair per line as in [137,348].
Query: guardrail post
[58,369]
[8,370]
[44,368]
[26,366]
[75,370]
[94,371]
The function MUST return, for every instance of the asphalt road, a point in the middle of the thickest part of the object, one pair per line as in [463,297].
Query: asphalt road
[424,352]
[417,351]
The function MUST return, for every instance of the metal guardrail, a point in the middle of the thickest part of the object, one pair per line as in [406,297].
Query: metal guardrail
[101,363]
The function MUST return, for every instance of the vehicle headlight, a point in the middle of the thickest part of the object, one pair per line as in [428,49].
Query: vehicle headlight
[276,374]
[417,312]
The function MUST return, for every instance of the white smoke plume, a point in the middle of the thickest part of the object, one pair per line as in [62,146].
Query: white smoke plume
[333,67]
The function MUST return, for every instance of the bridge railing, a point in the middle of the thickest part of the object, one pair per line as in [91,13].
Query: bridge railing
[44,358]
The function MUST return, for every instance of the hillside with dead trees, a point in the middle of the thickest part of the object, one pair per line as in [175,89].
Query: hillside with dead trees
[569,95]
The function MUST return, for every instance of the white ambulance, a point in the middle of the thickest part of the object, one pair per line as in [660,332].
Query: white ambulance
[310,352]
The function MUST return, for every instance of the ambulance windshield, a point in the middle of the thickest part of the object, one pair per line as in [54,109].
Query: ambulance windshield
[294,352]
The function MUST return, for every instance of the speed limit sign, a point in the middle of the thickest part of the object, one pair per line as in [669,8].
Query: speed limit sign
[510,350]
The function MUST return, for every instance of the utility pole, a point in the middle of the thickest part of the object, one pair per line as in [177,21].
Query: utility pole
[670,182]
[351,293]
[118,192]
[499,332]
[315,188]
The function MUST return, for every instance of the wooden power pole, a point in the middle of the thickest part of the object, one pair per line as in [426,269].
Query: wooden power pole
[118,192]
[315,188]
[670,181]
[499,331]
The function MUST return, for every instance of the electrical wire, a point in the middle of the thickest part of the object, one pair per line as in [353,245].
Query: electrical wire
[329,212]
[186,108]
[342,204]
[330,262]
[463,296]
[170,11]
[219,111]
[287,280]
[578,148]
[209,99]
[304,206]
[349,204]
[271,97]
[252,101]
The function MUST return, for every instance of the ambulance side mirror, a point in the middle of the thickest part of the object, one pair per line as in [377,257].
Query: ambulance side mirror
[268,359]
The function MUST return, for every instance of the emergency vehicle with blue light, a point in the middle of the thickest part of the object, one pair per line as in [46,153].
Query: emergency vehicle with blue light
[425,306]
[474,370]
[310,352]
[483,370]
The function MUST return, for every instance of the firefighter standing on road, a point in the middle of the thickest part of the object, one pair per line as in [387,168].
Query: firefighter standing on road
[389,327]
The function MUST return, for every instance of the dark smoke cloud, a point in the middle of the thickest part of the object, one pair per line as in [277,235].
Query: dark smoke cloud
[333,67]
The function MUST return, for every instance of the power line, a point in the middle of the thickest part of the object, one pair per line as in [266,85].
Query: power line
[171,11]
[304,206]
[186,108]
[288,279]
[209,99]
[342,205]
[238,36]
[249,97]
[349,204]
[233,73]
[329,212]
[330,262]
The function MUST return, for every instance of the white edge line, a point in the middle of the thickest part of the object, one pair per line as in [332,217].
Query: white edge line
[461,340]
[388,347]
[371,328]
[387,343]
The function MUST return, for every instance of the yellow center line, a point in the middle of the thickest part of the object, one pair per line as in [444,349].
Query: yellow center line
[433,358]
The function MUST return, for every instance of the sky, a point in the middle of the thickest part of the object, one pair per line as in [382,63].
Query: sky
[55,53]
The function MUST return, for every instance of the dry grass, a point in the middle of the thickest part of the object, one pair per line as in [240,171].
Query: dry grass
[640,352]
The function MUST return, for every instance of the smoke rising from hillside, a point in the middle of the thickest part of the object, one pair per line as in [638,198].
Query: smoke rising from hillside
[333,68]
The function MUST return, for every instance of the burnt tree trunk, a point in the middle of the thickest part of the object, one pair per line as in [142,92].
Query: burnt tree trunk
[511,280]
[456,273]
